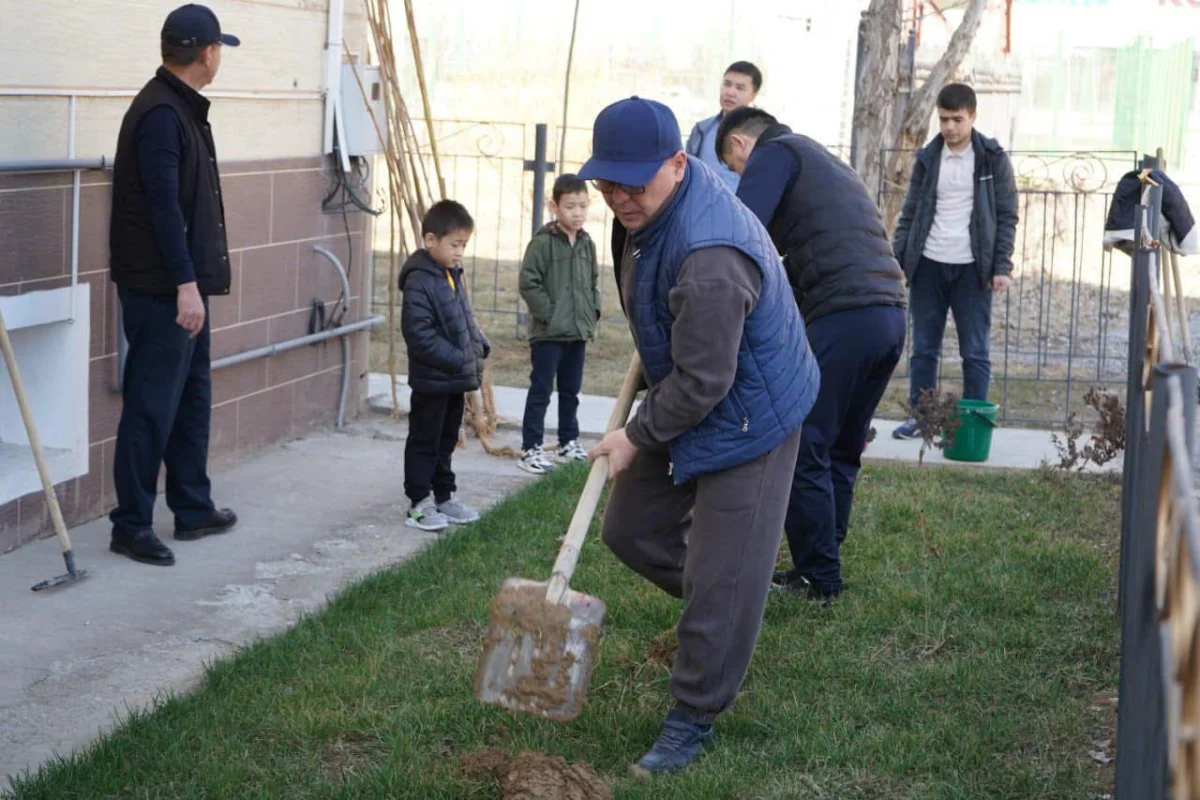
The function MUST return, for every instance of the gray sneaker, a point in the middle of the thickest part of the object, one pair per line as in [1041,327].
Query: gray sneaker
[909,430]
[426,516]
[456,513]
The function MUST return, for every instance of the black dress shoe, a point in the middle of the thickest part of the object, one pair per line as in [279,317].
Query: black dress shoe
[221,521]
[144,547]
[799,585]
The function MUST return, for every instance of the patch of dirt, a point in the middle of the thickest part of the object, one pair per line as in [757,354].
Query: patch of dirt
[534,776]
[485,765]
[347,759]
[662,650]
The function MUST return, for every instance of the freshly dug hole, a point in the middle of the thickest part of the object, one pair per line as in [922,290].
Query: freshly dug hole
[535,776]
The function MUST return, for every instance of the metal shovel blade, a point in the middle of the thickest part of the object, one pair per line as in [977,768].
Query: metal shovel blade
[538,656]
[60,580]
[72,575]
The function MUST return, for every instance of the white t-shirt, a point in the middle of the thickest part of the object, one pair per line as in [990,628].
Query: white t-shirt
[949,239]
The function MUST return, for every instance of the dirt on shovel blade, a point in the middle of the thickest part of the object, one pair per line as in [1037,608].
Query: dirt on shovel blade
[537,657]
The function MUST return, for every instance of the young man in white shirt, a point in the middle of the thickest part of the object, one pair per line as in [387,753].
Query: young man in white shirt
[955,241]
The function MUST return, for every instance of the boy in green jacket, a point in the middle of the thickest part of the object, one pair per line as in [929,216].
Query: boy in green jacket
[560,284]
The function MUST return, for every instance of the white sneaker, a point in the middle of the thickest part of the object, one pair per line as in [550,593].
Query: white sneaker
[426,517]
[457,513]
[572,451]
[535,461]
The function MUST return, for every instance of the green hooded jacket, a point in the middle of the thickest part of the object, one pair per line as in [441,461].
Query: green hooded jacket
[560,284]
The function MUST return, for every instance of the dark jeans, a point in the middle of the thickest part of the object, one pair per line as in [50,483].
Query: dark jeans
[165,419]
[563,360]
[935,289]
[857,350]
[433,425]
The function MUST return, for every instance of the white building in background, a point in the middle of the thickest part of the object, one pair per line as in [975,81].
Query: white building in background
[1111,75]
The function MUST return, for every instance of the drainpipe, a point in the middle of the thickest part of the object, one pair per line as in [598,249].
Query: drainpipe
[341,413]
[75,185]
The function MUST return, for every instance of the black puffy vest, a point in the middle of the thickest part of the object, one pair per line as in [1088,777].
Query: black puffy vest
[830,233]
[134,259]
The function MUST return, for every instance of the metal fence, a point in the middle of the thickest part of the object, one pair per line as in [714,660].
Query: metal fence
[1061,327]
[1158,755]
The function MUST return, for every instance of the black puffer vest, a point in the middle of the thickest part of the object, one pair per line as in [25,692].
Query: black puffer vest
[135,261]
[831,235]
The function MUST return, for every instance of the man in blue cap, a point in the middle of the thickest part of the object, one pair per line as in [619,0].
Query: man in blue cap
[703,470]
[168,254]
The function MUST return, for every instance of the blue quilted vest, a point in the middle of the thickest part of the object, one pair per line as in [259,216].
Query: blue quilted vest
[777,376]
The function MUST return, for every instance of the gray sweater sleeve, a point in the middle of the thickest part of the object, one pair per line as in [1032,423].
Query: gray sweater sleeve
[716,290]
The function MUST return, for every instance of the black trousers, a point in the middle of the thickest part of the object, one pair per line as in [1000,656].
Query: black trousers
[165,418]
[433,425]
[858,350]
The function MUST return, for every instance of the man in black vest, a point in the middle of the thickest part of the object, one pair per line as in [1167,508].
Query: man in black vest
[168,254]
[851,294]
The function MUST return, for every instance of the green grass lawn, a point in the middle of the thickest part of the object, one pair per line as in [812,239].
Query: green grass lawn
[971,658]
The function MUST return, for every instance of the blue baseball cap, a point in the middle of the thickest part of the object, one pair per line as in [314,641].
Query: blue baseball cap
[195,26]
[630,141]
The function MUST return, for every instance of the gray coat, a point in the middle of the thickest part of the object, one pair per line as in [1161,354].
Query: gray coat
[993,220]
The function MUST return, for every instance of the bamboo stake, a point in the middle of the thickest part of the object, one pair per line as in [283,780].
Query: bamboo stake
[416,48]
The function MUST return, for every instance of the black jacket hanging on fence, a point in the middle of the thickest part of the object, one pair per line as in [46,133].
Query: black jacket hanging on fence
[446,349]
[1178,229]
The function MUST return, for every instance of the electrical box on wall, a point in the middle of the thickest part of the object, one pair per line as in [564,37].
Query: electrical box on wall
[362,138]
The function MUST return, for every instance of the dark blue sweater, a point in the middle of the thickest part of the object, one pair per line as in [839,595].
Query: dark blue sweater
[160,151]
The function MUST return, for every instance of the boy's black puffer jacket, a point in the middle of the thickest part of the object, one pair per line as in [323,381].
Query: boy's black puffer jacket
[446,349]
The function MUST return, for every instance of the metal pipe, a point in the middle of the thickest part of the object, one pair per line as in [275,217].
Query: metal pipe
[38,91]
[291,344]
[341,415]
[57,165]
[74,210]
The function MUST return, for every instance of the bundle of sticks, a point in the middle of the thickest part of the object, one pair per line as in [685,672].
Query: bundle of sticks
[410,191]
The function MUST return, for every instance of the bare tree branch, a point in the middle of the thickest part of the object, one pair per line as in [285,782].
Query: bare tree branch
[914,127]
[875,98]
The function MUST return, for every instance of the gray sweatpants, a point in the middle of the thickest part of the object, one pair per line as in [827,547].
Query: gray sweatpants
[713,543]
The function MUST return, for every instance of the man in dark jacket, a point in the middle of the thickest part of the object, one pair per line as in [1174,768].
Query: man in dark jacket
[955,242]
[851,292]
[703,469]
[446,350]
[168,254]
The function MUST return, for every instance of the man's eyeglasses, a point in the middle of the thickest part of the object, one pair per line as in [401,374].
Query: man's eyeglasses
[608,187]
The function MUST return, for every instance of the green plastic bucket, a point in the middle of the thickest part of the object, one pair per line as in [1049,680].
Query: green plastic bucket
[973,439]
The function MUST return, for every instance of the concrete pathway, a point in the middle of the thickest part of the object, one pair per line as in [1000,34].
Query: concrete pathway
[316,514]
[1012,448]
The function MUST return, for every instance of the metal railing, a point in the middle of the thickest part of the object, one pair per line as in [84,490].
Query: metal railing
[1158,729]
[1060,329]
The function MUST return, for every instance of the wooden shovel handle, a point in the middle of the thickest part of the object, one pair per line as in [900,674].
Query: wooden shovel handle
[35,443]
[568,554]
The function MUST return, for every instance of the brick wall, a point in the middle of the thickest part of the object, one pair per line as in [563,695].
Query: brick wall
[274,218]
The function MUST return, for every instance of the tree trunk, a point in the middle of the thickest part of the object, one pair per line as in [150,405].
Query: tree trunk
[914,128]
[875,98]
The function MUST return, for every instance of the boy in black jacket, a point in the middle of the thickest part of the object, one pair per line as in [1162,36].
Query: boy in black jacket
[446,350]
